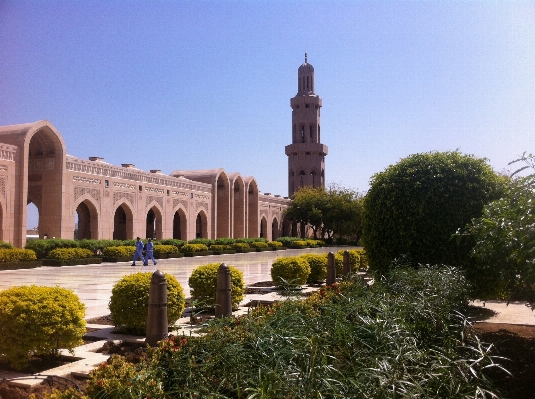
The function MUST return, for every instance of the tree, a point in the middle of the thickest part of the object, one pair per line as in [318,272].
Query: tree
[308,207]
[336,211]
[505,241]
[415,206]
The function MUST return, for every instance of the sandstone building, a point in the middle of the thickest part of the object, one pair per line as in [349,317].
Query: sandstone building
[122,202]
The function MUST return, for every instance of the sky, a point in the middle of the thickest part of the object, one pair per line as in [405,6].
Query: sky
[206,84]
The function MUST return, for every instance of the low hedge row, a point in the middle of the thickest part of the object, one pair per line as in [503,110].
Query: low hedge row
[16,255]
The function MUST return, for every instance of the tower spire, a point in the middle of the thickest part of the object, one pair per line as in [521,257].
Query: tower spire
[306,57]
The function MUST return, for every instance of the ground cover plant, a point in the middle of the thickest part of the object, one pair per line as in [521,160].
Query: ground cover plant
[402,337]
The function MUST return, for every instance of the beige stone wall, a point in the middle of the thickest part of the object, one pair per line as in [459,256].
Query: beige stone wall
[122,202]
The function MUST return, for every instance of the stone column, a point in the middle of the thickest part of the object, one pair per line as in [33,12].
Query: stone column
[223,306]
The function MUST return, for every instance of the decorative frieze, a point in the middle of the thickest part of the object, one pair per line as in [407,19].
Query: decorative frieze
[82,179]
[124,185]
[155,190]
[181,193]
[200,196]
[130,197]
[150,198]
[3,168]
[3,186]
[93,192]
[176,202]
[7,155]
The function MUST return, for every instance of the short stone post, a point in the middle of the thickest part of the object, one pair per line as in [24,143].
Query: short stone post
[331,269]
[223,300]
[347,264]
[157,319]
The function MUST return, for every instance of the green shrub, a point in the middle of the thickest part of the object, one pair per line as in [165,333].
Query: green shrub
[415,206]
[290,271]
[203,284]
[354,258]
[171,241]
[240,245]
[318,267]
[43,247]
[205,241]
[299,244]
[219,247]
[130,298]
[259,244]
[119,252]
[193,248]
[287,241]
[94,245]
[16,255]
[5,245]
[164,249]
[224,241]
[69,253]
[39,320]
[275,244]
[250,240]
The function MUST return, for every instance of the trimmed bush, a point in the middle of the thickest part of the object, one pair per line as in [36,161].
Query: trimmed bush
[354,258]
[171,241]
[275,244]
[415,206]
[69,253]
[219,247]
[118,252]
[43,247]
[193,248]
[318,267]
[259,244]
[203,284]
[240,245]
[130,298]
[94,245]
[5,245]
[160,250]
[204,241]
[299,244]
[36,320]
[16,255]
[290,271]
[224,241]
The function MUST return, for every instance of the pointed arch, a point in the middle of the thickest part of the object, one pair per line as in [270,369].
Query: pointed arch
[237,205]
[222,198]
[252,209]
[154,222]
[201,225]
[88,217]
[263,227]
[180,225]
[274,229]
[123,222]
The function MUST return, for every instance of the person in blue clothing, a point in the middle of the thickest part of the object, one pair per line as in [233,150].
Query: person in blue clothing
[139,251]
[149,254]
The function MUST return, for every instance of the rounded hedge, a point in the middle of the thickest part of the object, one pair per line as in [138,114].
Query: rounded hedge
[318,267]
[193,248]
[290,271]
[120,251]
[130,297]
[415,206]
[16,254]
[37,320]
[70,253]
[203,285]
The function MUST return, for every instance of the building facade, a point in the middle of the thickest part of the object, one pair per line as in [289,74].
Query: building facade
[306,154]
[121,202]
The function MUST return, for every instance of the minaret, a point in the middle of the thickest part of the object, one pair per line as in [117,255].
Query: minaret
[306,154]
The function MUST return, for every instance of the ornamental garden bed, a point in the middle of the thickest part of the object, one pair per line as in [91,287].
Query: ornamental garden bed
[71,262]
[29,264]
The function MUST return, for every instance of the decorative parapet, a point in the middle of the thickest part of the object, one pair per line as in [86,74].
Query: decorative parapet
[100,168]
[8,152]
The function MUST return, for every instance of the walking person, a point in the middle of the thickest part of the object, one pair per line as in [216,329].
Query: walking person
[139,252]
[149,253]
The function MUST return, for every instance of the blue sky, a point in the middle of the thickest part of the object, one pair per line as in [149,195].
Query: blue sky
[204,84]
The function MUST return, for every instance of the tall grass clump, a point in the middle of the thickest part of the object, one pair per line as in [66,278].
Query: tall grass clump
[402,337]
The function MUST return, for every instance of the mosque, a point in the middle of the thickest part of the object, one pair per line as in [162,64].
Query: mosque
[122,202]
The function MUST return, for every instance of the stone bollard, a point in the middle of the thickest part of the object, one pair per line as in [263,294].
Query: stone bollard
[157,318]
[331,269]
[223,300]
[347,264]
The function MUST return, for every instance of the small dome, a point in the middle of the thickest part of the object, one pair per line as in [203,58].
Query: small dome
[305,66]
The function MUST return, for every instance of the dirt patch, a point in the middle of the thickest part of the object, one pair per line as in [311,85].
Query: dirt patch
[517,343]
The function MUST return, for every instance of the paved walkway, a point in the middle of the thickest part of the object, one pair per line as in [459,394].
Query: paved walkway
[93,283]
